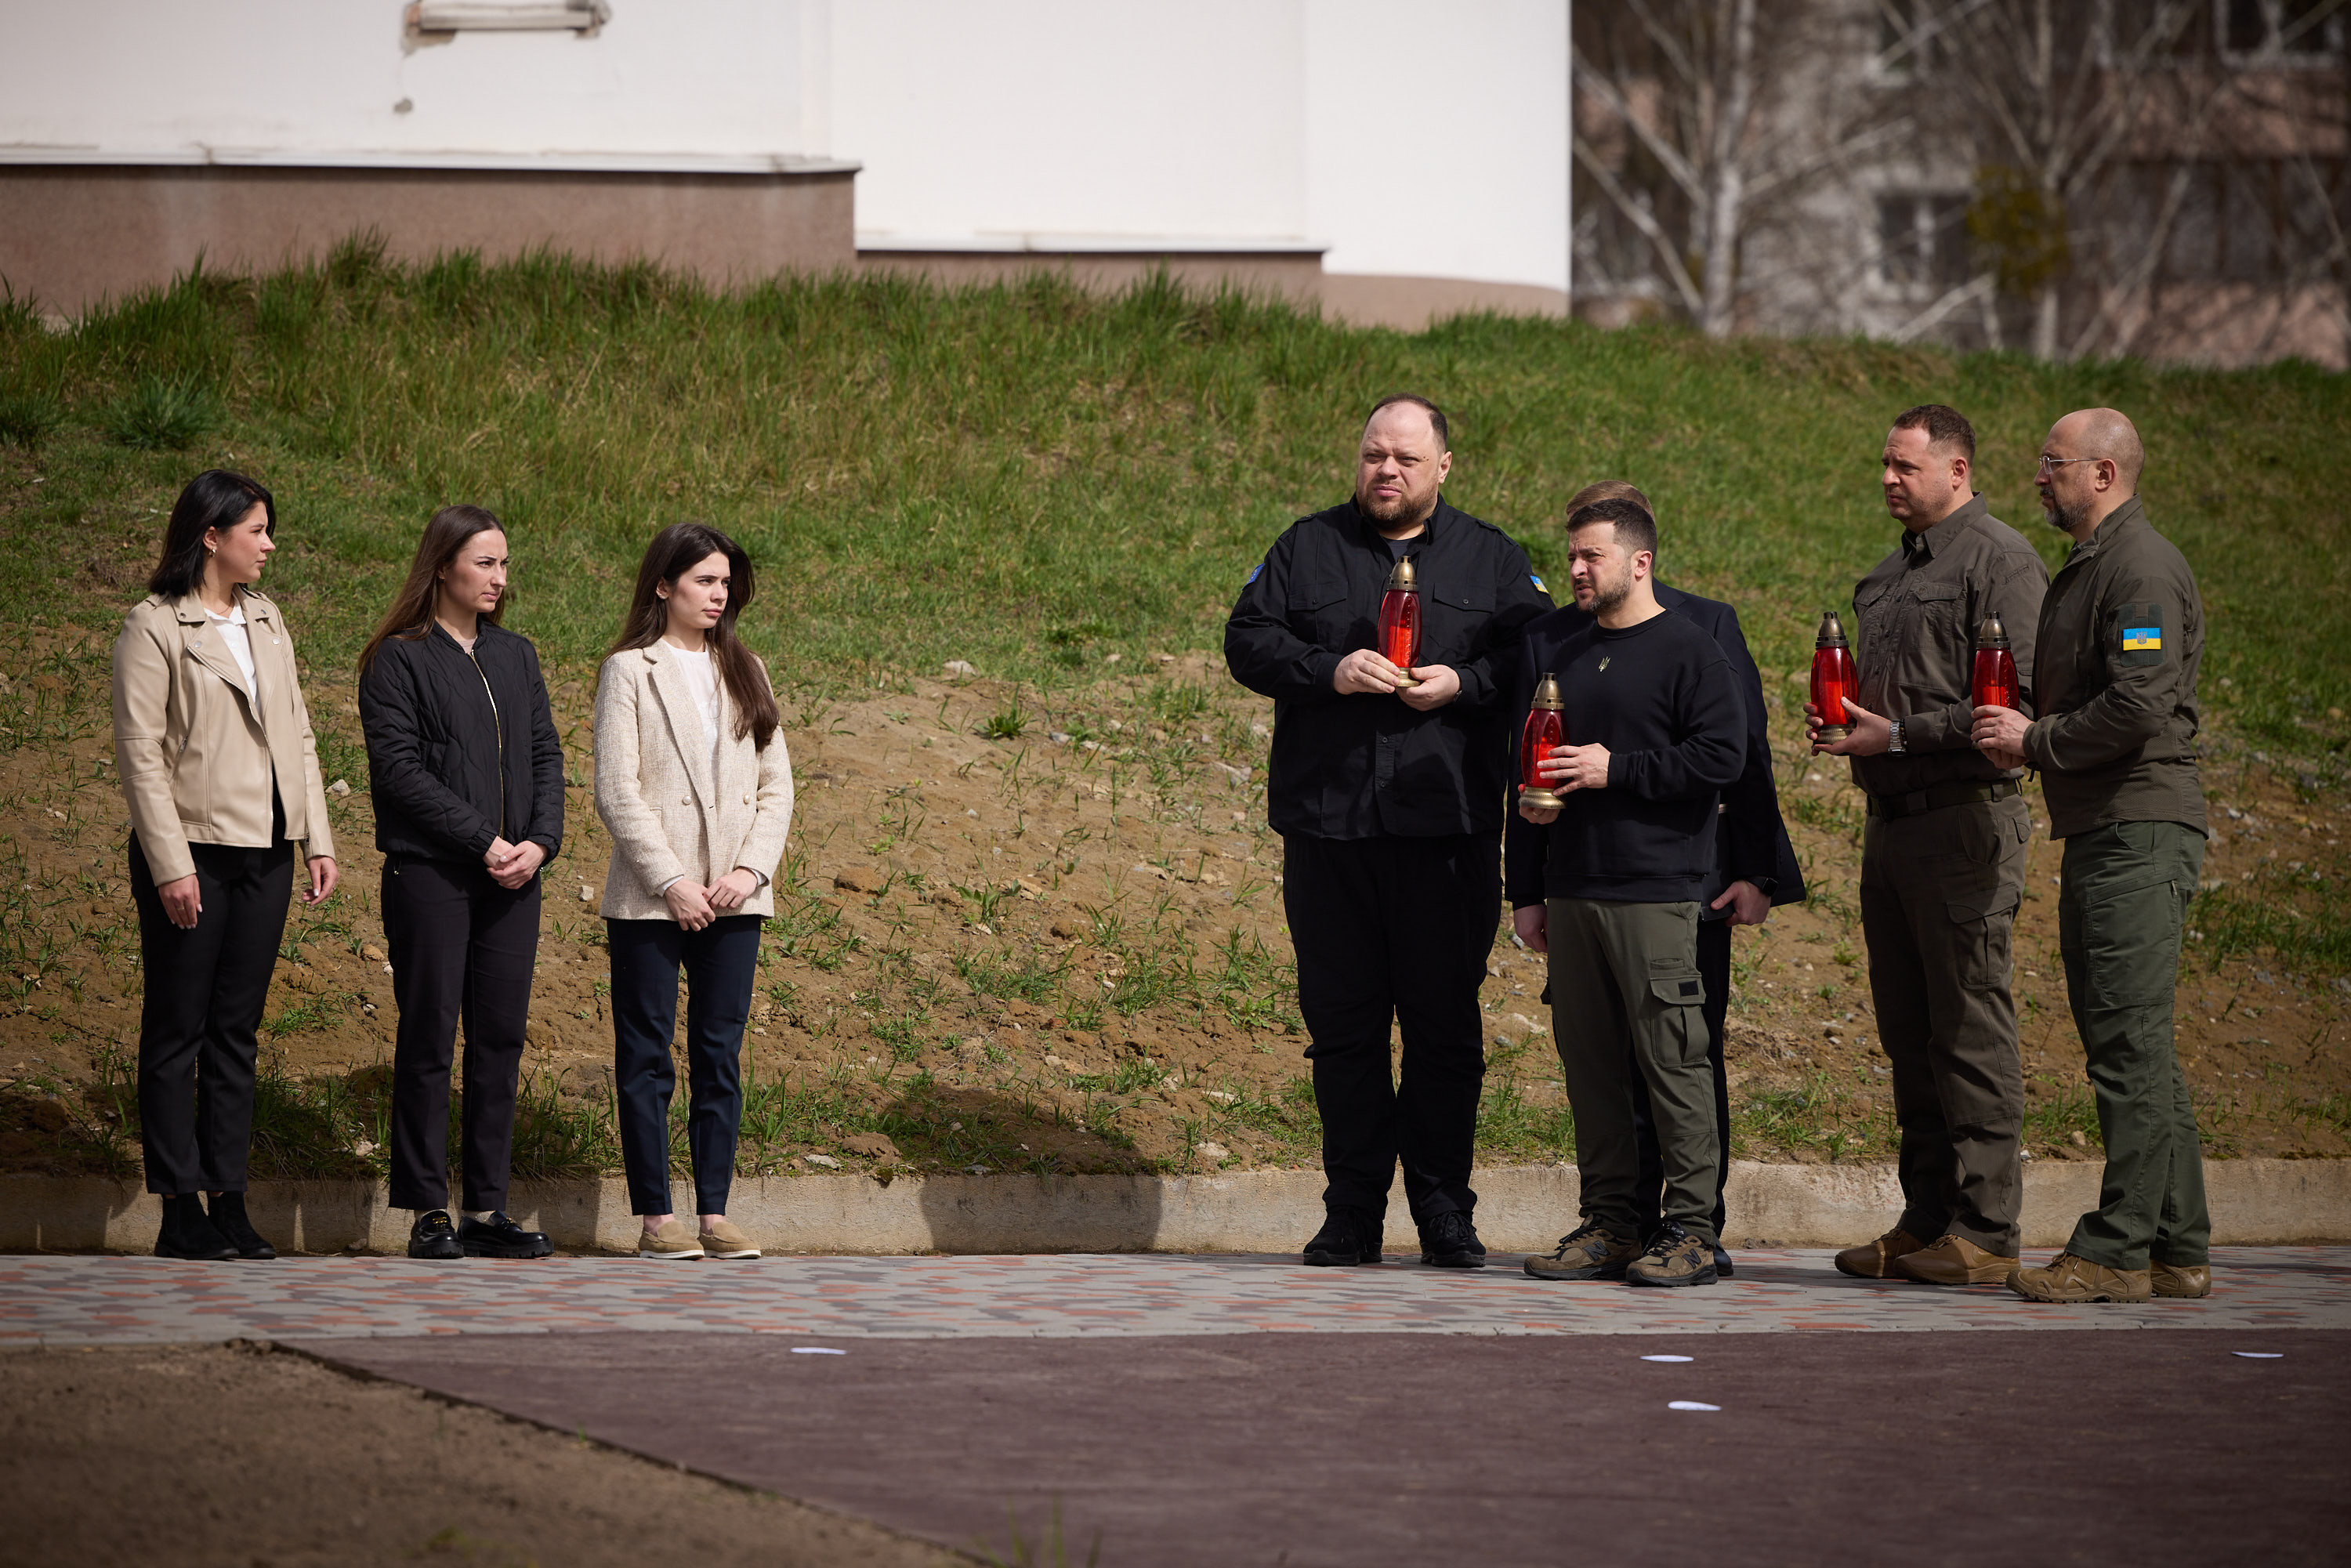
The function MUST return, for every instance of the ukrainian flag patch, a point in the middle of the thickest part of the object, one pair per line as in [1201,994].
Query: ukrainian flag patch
[1538,581]
[2141,639]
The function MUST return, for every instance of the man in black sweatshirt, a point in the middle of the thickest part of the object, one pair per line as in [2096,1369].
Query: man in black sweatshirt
[1655,729]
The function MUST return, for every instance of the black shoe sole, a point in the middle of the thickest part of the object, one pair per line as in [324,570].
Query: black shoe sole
[1453,1259]
[1705,1276]
[223,1256]
[498,1250]
[1724,1268]
[259,1254]
[434,1254]
[1338,1260]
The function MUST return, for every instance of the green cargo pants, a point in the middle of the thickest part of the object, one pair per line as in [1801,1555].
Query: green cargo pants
[2126,887]
[1626,974]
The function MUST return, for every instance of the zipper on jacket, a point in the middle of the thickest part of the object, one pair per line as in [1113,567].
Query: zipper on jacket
[498,723]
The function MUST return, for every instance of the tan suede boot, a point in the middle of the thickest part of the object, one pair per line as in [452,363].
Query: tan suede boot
[1954,1260]
[2069,1281]
[2189,1283]
[1874,1259]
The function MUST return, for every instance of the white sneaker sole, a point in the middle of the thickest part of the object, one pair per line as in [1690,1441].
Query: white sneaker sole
[672,1257]
[746,1253]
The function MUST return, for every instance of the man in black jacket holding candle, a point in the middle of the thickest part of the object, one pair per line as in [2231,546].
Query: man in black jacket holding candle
[1657,728]
[1389,800]
[1755,867]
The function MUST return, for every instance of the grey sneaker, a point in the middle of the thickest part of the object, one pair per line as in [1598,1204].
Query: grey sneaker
[1674,1257]
[721,1239]
[1590,1251]
[672,1241]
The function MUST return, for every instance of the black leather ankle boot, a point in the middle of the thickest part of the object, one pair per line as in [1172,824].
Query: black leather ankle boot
[187,1233]
[228,1218]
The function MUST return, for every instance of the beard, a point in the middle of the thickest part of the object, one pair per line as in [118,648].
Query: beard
[2062,517]
[1608,595]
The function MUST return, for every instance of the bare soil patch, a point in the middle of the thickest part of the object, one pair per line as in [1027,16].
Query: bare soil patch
[234,1457]
[1042,931]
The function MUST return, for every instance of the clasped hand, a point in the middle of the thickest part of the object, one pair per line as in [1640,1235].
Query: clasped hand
[513,865]
[693,906]
[1365,673]
[1999,734]
[1567,768]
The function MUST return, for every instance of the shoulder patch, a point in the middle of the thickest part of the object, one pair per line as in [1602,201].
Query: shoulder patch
[1255,572]
[2140,633]
[1536,578]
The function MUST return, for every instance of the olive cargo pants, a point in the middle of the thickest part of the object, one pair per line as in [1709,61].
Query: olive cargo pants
[1939,897]
[1626,974]
[2126,887]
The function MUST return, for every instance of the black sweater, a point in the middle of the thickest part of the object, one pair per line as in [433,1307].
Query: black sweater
[1750,840]
[1661,697]
[460,747]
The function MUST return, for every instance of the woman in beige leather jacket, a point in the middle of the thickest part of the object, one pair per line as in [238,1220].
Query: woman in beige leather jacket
[693,780]
[221,771]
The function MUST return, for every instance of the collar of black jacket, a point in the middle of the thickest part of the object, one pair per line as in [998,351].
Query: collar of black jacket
[1919,544]
[1368,532]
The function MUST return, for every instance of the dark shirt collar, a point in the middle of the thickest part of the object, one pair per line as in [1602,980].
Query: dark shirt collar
[1919,544]
[1428,530]
[2111,528]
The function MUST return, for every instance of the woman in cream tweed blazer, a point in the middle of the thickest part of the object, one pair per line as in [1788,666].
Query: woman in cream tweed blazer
[694,781]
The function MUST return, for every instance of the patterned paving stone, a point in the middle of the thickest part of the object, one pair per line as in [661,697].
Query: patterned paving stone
[66,1301]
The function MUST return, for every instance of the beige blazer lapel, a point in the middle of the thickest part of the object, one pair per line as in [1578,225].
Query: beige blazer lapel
[685,718]
[204,644]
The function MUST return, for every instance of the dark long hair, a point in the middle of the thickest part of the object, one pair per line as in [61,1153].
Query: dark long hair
[673,549]
[411,615]
[216,498]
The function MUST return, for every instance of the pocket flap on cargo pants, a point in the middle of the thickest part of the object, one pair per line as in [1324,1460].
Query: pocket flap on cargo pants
[1983,904]
[1678,990]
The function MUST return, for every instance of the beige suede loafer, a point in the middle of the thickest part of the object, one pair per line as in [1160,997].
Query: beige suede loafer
[672,1241]
[721,1239]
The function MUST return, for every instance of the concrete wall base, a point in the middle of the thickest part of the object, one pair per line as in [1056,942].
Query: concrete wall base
[1521,1208]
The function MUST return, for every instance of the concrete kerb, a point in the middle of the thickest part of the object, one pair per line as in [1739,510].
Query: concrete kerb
[1521,1208]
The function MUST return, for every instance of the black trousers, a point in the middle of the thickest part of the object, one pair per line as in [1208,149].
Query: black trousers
[721,961]
[462,949]
[1714,968]
[205,991]
[1394,930]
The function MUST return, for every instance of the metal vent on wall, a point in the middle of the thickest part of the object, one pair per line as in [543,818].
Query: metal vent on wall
[478,17]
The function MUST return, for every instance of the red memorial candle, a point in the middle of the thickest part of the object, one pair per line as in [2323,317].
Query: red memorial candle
[1545,729]
[1400,620]
[1835,682]
[1995,673]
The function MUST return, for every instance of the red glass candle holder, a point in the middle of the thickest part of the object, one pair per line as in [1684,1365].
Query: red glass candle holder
[1995,671]
[1400,622]
[1835,680]
[1545,729]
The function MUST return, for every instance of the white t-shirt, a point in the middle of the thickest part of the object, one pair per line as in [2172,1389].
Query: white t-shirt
[239,643]
[701,680]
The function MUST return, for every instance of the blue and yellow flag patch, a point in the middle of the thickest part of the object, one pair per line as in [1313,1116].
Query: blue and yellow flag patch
[2141,639]
[1538,581]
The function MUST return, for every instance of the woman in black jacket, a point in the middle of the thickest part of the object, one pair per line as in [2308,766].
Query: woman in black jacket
[467,778]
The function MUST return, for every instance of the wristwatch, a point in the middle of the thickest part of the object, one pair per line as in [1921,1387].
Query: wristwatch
[1894,740]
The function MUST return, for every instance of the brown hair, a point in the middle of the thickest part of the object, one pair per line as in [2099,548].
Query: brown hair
[1608,490]
[1435,416]
[673,549]
[1636,529]
[1945,428]
[411,615]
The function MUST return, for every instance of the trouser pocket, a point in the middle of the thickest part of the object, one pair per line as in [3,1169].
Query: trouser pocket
[1682,1023]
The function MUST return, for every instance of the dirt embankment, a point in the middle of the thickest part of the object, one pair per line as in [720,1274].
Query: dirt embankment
[1037,931]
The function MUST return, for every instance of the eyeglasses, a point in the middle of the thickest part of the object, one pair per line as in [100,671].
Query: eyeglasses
[2047,461]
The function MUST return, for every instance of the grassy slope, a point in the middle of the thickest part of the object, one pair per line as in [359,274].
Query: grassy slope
[925,476]
[1034,479]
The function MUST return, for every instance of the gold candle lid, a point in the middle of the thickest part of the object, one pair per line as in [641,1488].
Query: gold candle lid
[1991,633]
[1832,633]
[1403,577]
[1547,694]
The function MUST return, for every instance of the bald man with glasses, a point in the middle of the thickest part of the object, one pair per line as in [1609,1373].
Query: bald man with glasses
[2121,636]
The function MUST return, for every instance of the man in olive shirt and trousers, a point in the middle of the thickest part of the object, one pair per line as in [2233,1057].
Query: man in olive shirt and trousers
[1388,797]
[1942,867]
[2121,634]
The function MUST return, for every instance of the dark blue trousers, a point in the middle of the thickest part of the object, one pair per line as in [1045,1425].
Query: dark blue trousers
[720,962]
